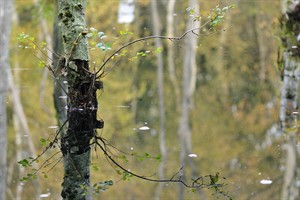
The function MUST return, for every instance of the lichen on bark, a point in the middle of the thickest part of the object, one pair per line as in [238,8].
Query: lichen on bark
[81,102]
[71,18]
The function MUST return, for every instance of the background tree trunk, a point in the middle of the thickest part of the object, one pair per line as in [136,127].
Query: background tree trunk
[6,9]
[21,125]
[171,54]
[160,84]
[188,88]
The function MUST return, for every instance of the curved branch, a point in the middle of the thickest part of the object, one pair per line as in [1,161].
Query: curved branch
[195,183]
[148,38]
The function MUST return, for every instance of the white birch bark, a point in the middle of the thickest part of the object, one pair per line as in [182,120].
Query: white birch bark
[160,83]
[82,101]
[44,35]
[171,54]
[289,98]
[288,106]
[188,88]
[5,26]
[22,125]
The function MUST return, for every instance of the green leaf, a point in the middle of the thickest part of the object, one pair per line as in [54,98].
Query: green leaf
[158,157]
[42,63]
[124,158]
[24,163]
[158,50]
[100,34]
[109,183]
[99,45]
[95,167]
[125,32]
[191,10]
[43,141]
[146,155]
[126,175]
[141,159]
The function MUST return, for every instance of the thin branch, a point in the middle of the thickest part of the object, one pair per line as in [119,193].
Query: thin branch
[143,177]
[147,38]
[52,142]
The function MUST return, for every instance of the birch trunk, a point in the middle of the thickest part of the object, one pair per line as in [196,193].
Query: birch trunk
[59,82]
[82,101]
[44,35]
[156,22]
[289,96]
[188,88]
[221,53]
[171,54]
[22,125]
[5,25]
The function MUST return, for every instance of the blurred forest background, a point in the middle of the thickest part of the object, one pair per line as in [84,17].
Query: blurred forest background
[233,117]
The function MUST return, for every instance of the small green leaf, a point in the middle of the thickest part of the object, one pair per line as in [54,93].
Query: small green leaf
[158,157]
[141,159]
[191,10]
[158,50]
[109,183]
[95,167]
[24,163]
[125,32]
[43,141]
[99,45]
[100,34]
[42,63]
[146,154]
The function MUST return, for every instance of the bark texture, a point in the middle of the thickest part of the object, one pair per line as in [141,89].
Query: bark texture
[81,103]
[5,25]
[290,36]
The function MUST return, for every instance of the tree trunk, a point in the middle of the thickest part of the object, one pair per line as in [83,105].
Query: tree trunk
[171,55]
[221,54]
[290,22]
[160,84]
[188,88]
[44,35]
[59,82]
[82,101]
[5,25]
[22,125]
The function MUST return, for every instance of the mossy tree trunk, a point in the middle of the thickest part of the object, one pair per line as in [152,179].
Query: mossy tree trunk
[289,95]
[81,102]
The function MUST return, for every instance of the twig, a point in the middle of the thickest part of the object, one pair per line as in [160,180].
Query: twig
[147,38]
